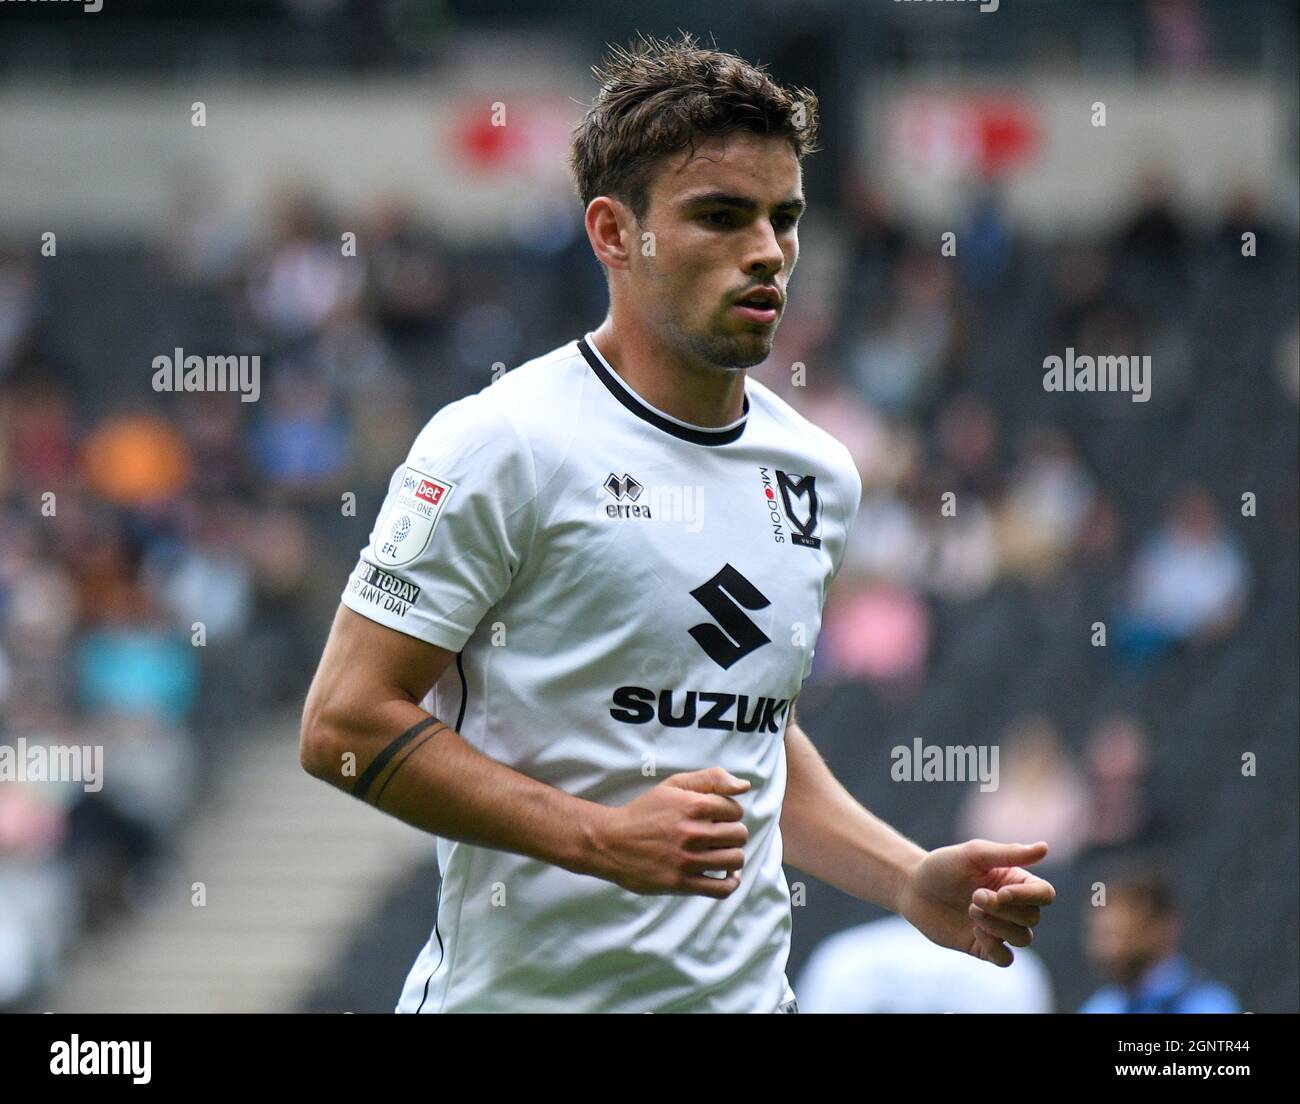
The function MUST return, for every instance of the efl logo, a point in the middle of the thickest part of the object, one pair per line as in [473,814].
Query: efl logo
[431,492]
[408,521]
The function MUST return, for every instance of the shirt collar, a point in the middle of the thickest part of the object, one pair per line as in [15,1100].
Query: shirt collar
[614,383]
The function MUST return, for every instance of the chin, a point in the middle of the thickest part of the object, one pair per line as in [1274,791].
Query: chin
[726,348]
[761,344]
[745,349]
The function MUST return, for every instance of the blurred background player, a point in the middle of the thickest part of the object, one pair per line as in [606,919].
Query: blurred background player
[1134,941]
[888,966]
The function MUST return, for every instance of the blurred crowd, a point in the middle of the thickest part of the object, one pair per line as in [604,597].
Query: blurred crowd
[169,563]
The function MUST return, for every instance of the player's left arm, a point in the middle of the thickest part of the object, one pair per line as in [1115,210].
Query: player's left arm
[826,832]
[972,897]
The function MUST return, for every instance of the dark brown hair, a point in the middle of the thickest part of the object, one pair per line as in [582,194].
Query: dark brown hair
[1143,879]
[658,96]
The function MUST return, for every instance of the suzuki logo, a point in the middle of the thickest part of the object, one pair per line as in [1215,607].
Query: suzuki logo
[723,596]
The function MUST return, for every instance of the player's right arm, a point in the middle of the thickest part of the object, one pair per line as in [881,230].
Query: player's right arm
[364,733]
[458,524]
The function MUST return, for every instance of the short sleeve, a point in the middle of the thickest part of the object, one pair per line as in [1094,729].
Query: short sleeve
[846,496]
[453,529]
[852,501]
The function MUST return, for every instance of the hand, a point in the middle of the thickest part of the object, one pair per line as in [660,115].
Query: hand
[973,897]
[664,840]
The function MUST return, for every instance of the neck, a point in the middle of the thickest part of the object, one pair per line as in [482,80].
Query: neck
[700,394]
[1142,968]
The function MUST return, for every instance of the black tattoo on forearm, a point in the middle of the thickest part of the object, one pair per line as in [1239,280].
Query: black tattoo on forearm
[425,729]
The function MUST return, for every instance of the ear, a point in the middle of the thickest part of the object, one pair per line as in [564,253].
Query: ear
[610,227]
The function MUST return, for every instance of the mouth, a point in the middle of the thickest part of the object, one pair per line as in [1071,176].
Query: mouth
[761,306]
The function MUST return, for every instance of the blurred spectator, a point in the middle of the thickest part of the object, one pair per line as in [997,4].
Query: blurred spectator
[880,634]
[1179,36]
[985,252]
[137,667]
[906,351]
[39,627]
[119,836]
[204,577]
[1048,499]
[352,356]
[407,283]
[136,460]
[302,278]
[875,229]
[210,421]
[1122,810]
[1154,235]
[1188,582]
[888,966]
[37,435]
[1040,794]
[964,557]
[875,242]
[890,543]
[1133,940]
[301,443]
[969,442]
[1099,542]
[39,912]
[1081,277]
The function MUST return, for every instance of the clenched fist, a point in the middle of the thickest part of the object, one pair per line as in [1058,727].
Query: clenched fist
[665,840]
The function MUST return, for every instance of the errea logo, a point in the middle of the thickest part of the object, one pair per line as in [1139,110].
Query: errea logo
[625,488]
[671,503]
[625,492]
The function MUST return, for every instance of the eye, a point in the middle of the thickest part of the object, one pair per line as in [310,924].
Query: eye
[726,216]
[786,222]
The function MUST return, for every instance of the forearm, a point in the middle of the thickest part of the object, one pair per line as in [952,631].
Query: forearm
[831,836]
[418,769]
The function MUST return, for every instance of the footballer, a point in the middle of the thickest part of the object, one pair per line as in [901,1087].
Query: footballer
[572,646]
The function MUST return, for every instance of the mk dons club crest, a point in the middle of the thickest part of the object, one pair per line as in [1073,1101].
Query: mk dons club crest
[802,507]
[404,530]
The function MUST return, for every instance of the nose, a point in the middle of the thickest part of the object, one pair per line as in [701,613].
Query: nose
[765,257]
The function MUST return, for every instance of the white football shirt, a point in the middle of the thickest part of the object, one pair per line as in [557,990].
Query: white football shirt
[630,597]
[888,966]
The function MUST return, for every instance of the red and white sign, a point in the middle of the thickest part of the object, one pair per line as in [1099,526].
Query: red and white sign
[942,134]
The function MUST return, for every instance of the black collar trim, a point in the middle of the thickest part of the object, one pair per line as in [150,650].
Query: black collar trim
[697,435]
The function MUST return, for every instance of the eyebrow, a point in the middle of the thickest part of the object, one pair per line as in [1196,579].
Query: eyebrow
[742,203]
